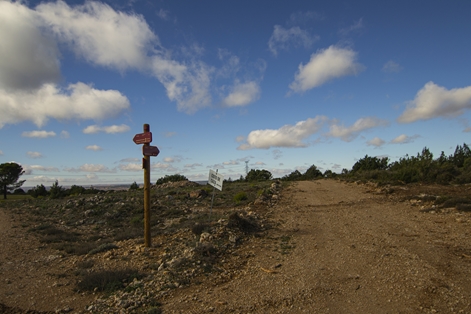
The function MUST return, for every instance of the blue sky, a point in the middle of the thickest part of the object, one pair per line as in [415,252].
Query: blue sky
[281,85]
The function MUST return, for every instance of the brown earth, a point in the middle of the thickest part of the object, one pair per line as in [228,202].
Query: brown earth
[333,247]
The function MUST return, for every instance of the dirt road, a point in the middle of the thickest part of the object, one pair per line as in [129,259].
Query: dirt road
[332,247]
[338,248]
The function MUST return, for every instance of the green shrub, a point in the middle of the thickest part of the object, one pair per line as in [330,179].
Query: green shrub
[171,178]
[239,197]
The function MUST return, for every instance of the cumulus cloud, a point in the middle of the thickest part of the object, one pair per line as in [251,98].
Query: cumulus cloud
[39,134]
[242,94]
[377,142]
[131,167]
[286,136]
[404,139]
[392,67]
[30,168]
[186,84]
[99,34]
[49,101]
[434,101]
[91,168]
[163,167]
[93,147]
[112,129]
[34,155]
[348,134]
[325,65]
[282,38]
[31,57]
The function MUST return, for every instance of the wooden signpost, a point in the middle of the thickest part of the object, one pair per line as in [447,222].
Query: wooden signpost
[147,150]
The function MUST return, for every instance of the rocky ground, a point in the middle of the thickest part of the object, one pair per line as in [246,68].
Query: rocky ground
[311,247]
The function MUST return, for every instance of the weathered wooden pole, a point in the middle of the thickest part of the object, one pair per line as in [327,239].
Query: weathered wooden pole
[146,166]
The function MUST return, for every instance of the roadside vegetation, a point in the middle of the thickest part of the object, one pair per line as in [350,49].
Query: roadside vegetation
[422,168]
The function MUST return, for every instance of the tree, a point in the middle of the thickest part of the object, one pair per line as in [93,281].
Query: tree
[9,174]
[56,191]
[39,190]
[258,175]
[312,173]
[134,186]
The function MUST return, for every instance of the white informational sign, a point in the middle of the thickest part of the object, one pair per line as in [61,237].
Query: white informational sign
[215,179]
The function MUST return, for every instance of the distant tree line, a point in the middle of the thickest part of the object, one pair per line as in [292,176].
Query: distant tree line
[57,191]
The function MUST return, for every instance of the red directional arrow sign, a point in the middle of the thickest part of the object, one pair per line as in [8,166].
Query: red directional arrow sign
[143,138]
[150,150]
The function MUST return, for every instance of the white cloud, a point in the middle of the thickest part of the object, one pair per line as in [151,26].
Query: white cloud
[93,147]
[39,134]
[286,136]
[188,85]
[42,179]
[348,134]
[242,94]
[65,134]
[1,153]
[29,169]
[283,38]
[91,168]
[163,167]
[112,129]
[51,102]
[434,101]
[403,139]
[392,67]
[131,167]
[377,142]
[325,65]
[99,34]
[28,56]
[34,155]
